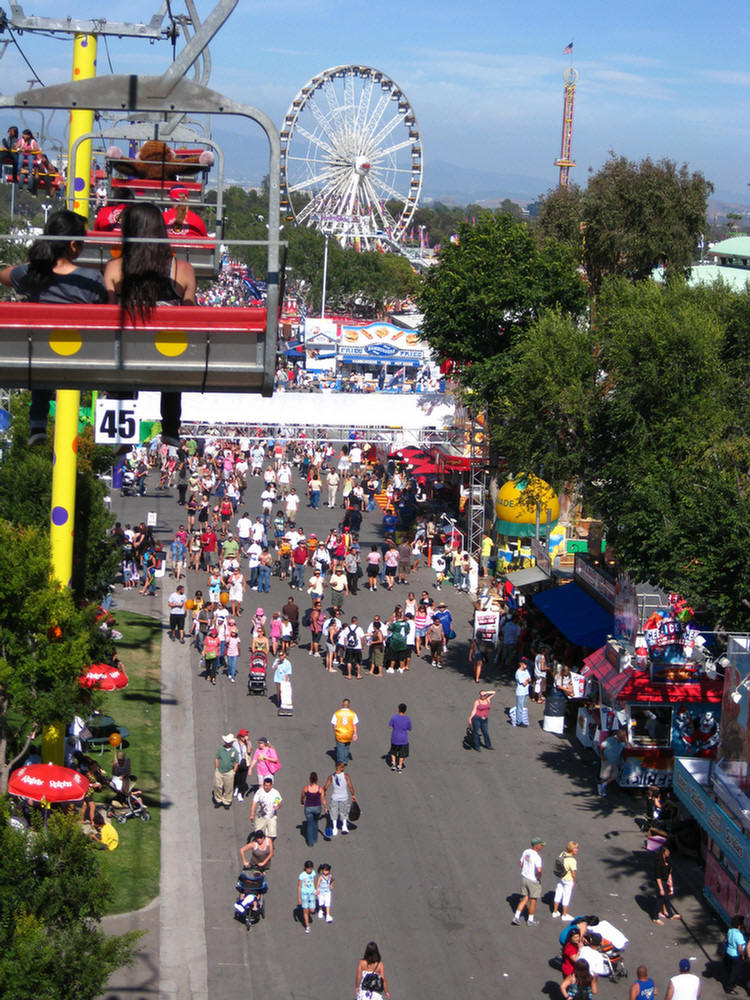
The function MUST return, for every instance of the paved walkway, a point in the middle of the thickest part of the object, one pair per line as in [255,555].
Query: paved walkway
[431,870]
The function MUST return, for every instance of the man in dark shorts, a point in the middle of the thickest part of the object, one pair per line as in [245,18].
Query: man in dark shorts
[353,639]
[400,727]
[397,651]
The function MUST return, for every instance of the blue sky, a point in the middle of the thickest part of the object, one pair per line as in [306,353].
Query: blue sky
[484,79]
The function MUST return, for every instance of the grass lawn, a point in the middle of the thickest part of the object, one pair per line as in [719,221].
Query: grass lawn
[134,866]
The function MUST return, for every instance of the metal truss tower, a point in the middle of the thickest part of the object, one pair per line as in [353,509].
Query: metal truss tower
[570,77]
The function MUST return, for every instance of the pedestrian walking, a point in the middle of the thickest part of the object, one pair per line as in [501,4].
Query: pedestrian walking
[176,603]
[353,642]
[225,764]
[243,746]
[523,680]
[282,671]
[324,892]
[644,987]
[345,723]
[313,799]
[341,797]
[566,873]
[370,982]
[735,952]
[265,808]
[265,760]
[685,985]
[580,983]
[306,894]
[664,887]
[611,753]
[400,726]
[531,881]
[479,716]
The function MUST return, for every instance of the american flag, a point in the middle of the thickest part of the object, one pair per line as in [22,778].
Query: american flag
[568,50]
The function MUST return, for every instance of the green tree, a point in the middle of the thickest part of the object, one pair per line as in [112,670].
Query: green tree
[54,895]
[638,215]
[45,642]
[25,492]
[492,283]
[672,446]
[561,215]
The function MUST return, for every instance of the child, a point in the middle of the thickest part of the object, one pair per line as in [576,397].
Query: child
[287,633]
[306,894]
[323,890]
[439,565]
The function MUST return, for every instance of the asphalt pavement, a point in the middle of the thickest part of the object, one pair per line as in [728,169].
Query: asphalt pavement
[430,871]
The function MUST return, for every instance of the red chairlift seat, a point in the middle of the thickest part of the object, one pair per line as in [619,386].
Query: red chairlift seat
[185,349]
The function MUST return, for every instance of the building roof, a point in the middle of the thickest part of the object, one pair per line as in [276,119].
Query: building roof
[734,246]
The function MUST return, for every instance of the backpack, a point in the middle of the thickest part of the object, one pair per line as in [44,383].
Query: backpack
[307,618]
[351,639]
[372,981]
[558,869]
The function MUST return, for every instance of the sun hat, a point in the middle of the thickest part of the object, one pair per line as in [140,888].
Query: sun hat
[228,738]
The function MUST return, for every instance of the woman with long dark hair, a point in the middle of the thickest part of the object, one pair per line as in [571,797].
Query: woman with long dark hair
[370,982]
[52,275]
[145,276]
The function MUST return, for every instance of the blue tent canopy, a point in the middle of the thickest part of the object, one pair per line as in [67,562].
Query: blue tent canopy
[579,617]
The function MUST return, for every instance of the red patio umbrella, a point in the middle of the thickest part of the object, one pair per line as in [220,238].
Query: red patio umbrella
[104,676]
[48,782]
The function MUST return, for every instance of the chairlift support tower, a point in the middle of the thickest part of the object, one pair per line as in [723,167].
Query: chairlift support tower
[566,161]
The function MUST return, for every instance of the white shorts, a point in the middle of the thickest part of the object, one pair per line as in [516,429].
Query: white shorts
[324,899]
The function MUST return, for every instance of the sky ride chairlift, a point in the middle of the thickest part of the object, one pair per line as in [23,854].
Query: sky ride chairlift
[190,348]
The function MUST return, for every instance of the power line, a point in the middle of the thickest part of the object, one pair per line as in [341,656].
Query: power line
[23,56]
[106,48]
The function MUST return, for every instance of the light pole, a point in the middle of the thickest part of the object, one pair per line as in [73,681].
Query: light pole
[325,279]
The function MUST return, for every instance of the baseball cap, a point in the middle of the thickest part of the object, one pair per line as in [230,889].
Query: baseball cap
[537,842]
[242,732]
[684,965]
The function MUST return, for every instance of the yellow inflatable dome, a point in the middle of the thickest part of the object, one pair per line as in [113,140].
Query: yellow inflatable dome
[516,506]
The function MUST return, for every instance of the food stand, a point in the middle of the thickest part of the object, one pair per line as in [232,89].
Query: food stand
[656,685]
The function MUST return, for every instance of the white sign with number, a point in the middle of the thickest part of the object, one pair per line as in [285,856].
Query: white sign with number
[117,421]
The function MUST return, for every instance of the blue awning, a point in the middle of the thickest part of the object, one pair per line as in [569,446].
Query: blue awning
[579,617]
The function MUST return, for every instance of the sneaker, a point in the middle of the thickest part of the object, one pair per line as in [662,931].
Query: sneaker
[390,670]
[516,921]
[566,917]
[36,438]
[401,670]
[232,679]
[307,929]
[329,919]
[532,923]
[310,653]
[235,793]
[393,767]
[320,914]
[344,827]
[555,916]
[335,831]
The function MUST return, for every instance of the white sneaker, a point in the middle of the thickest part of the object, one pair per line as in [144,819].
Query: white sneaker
[555,916]
[401,670]
[390,670]
[566,917]
[307,929]
[320,914]
[310,652]
[329,919]
[335,831]
[235,793]
[240,797]
[344,827]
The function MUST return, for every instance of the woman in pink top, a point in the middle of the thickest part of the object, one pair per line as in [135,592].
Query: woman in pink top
[373,567]
[275,632]
[480,713]
[265,759]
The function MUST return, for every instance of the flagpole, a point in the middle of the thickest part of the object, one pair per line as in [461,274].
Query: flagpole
[325,279]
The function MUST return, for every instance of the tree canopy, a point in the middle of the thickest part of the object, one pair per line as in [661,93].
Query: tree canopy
[634,216]
[53,898]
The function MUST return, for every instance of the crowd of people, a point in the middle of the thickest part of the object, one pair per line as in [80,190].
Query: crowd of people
[226,550]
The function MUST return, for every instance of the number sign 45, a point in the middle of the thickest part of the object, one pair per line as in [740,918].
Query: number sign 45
[117,421]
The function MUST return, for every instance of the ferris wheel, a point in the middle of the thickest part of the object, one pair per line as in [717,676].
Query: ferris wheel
[351,158]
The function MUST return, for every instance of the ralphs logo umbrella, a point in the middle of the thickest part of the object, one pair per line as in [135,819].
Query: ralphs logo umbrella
[103,676]
[48,783]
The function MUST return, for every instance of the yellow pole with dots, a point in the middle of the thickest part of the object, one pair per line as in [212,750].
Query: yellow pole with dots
[62,514]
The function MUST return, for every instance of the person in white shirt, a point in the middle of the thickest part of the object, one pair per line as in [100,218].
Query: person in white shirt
[685,986]
[523,680]
[258,531]
[244,526]
[254,551]
[284,478]
[317,584]
[531,880]
[256,459]
[292,505]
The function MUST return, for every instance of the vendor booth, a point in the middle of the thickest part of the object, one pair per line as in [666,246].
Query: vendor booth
[657,686]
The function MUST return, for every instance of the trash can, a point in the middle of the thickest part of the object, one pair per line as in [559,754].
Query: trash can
[554,715]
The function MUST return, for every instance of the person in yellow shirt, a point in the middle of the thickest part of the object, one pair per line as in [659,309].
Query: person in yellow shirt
[344,723]
[105,834]
[486,552]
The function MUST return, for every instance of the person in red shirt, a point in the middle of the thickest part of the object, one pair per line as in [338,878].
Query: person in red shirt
[209,543]
[181,221]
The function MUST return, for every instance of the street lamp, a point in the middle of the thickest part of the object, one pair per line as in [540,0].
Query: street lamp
[325,279]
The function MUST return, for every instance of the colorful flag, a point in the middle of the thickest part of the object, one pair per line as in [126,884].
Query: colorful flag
[568,50]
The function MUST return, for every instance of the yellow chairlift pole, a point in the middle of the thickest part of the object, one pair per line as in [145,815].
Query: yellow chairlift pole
[62,514]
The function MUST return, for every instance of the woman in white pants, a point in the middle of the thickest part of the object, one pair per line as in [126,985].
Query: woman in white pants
[566,882]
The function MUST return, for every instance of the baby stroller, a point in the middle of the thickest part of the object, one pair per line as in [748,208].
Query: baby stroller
[127,803]
[256,681]
[128,483]
[251,904]
[603,947]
